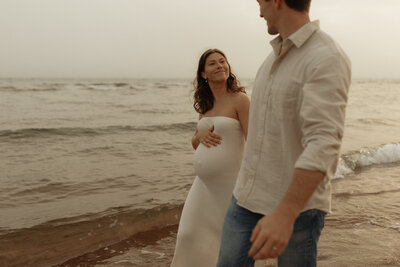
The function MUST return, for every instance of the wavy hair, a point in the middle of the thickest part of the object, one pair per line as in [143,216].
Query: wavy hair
[203,97]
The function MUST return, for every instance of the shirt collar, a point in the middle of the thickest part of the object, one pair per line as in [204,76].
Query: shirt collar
[299,37]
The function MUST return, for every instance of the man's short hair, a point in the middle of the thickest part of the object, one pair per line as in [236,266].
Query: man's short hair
[299,5]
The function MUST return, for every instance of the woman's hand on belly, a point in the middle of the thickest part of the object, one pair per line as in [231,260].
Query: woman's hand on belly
[208,137]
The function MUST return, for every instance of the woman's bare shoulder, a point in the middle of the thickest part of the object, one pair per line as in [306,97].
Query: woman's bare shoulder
[241,97]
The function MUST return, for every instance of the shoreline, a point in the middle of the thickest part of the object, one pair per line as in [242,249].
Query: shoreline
[127,249]
[353,234]
[361,231]
[51,244]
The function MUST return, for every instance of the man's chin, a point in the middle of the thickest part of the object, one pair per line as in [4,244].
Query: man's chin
[272,31]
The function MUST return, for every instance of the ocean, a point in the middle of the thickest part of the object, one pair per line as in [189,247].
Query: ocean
[95,173]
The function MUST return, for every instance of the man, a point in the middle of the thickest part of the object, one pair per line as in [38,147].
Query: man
[296,123]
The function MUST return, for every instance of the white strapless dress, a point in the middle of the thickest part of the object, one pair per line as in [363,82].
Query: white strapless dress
[200,227]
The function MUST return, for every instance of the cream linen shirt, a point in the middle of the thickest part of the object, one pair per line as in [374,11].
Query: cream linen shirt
[297,114]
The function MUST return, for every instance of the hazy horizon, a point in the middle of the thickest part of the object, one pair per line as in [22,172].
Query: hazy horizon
[152,39]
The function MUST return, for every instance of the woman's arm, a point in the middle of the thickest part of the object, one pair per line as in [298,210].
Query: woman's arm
[242,109]
[195,140]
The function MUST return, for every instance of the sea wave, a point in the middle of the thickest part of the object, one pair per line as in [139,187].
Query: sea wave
[106,86]
[355,160]
[95,86]
[28,89]
[83,131]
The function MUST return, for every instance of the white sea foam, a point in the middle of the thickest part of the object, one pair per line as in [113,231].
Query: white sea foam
[342,170]
[389,153]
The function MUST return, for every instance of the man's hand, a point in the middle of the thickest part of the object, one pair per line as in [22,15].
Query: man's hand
[271,235]
[273,231]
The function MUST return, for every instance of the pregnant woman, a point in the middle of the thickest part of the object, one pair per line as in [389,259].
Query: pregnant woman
[219,139]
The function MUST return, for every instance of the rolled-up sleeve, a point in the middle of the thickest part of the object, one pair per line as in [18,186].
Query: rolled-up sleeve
[322,113]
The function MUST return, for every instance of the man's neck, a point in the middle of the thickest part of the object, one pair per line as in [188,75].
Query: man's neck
[292,22]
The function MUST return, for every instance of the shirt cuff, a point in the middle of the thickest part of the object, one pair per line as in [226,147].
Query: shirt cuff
[319,155]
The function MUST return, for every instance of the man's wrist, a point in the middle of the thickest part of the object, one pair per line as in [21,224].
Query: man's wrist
[303,186]
[290,210]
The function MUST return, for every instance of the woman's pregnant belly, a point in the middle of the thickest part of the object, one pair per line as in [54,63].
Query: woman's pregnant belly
[217,162]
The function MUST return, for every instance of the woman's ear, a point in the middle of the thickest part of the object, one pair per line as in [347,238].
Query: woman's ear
[204,75]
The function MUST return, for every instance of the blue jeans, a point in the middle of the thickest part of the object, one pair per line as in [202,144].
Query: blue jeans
[239,223]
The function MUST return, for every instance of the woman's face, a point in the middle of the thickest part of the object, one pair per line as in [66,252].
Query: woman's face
[216,68]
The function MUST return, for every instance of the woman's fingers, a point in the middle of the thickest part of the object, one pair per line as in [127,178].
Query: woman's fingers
[205,141]
[208,138]
[211,140]
[214,139]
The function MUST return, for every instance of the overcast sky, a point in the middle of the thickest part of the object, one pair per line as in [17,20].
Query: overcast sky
[164,38]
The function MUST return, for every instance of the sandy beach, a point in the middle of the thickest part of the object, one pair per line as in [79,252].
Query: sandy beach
[356,234]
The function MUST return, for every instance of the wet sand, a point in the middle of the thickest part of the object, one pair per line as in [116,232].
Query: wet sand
[150,248]
[53,243]
[363,229]
[147,249]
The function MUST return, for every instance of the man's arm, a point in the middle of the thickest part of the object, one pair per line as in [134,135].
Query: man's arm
[272,232]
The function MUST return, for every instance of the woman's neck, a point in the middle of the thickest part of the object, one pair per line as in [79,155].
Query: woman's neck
[219,89]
